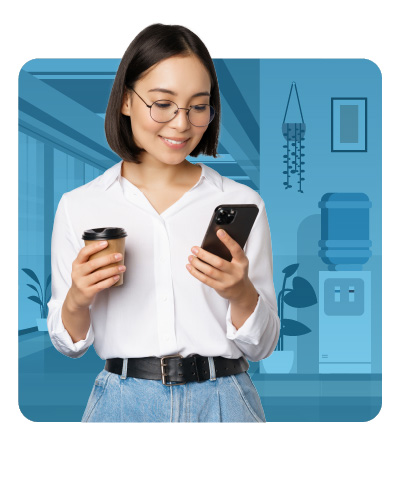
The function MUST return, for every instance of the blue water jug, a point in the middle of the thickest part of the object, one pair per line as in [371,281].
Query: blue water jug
[345,243]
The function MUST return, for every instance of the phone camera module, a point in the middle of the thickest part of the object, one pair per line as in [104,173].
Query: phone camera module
[225,216]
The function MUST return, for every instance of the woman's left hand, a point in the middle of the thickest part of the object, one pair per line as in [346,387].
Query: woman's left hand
[229,279]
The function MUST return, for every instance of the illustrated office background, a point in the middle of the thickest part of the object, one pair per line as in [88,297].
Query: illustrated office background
[305,134]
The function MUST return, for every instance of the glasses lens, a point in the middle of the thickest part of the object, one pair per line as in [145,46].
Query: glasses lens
[201,115]
[163,110]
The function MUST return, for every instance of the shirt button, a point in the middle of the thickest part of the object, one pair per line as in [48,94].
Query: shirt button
[165,298]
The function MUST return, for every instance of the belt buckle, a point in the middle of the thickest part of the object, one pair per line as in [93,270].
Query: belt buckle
[164,375]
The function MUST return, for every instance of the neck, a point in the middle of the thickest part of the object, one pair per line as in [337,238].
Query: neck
[156,175]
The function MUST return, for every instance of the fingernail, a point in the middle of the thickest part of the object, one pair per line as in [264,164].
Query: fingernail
[221,233]
[118,256]
[194,250]
[103,243]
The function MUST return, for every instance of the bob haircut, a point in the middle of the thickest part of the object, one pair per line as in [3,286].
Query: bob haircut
[153,44]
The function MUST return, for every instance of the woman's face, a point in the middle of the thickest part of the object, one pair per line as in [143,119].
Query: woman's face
[185,76]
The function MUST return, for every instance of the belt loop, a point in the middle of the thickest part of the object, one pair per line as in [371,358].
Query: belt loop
[212,369]
[124,373]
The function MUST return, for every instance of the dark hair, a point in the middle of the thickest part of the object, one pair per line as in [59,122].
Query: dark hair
[153,44]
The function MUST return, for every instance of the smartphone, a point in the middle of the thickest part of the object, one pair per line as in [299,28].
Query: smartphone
[237,220]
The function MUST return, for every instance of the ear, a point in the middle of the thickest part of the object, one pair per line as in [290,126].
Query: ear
[126,104]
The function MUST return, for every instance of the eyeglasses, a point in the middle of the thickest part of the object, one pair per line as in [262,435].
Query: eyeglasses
[165,110]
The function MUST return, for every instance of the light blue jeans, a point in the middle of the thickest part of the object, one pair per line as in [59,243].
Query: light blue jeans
[117,398]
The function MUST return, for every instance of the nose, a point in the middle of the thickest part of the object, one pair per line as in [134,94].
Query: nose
[181,121]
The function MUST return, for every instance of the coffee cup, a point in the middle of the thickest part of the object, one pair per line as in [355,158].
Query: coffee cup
[115,237]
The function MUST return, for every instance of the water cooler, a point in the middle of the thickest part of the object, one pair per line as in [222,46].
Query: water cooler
[344,288]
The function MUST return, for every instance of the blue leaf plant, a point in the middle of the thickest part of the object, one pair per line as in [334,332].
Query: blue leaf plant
[301,295]
[41,297]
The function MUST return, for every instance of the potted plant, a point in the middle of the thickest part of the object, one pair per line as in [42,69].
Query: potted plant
[301,295]
[39,299]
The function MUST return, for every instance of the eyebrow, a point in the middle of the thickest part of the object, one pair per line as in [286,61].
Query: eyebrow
[166,91]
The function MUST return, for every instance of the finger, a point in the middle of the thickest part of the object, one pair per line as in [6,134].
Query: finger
[103,273]
[207,269]
[215,261]
[89,250]
[232,245]
[104,260]
[202,277]
[100,286]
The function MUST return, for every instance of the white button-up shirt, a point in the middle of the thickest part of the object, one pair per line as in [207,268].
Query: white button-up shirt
[161,308]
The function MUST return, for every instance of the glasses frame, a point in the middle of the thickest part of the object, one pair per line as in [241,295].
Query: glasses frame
[178,108]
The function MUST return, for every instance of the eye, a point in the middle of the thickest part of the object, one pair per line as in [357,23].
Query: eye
[200,108]
[163,105]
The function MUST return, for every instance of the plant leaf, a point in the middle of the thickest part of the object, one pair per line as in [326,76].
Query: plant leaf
[34,288]
[289,327]
[302,294]
[32,275]
[48,281]
[289,270]
[35,299]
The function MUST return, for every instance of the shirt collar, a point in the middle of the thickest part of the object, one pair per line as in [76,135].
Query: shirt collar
[114,173]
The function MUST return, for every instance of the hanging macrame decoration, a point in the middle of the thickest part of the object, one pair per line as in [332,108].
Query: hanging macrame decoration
[294,133]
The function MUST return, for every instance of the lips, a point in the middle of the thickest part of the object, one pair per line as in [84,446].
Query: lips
[177,139]
[173,145]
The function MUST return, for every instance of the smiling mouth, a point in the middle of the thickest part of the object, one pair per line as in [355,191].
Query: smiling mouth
[173,141]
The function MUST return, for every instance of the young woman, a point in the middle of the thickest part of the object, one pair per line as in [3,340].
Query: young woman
[176,334]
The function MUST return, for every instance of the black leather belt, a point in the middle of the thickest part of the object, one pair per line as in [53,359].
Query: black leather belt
[175,370]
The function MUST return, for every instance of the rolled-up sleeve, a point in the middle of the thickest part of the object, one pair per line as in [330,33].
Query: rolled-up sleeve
[64,250]
[258,336]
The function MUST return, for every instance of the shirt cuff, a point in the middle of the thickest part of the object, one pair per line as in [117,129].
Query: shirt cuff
[252,329]
[63,342]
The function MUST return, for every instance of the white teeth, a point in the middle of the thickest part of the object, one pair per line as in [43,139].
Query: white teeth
[173,141]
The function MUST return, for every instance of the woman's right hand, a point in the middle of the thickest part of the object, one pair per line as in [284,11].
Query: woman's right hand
[85,282]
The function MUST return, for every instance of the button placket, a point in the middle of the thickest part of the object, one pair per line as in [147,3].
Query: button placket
[164,293]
